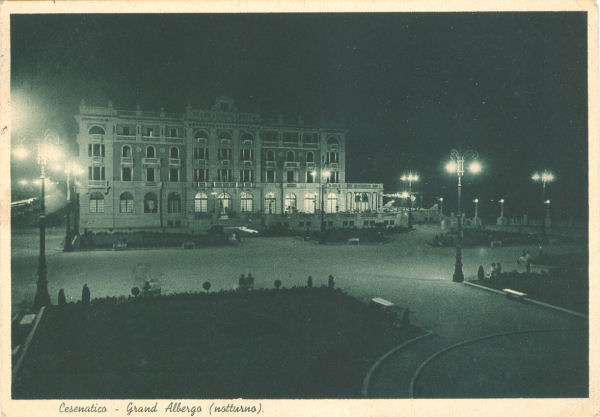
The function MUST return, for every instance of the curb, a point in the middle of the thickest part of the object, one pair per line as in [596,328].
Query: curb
[17,366]
[413,380]
[375,366]
[531,301]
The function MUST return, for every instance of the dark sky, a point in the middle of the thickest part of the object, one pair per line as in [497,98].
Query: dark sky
[409,86]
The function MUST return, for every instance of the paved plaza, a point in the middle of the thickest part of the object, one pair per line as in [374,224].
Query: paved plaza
[405,271]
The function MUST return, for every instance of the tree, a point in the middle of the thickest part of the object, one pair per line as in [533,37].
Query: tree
[277,283]
[206,286]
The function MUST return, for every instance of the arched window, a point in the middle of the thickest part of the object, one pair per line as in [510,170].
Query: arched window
[201,203]
[246,202]
[96,203]
[331,206]
[150,203]
[290,156]
[310,157]
[150,152]
[310,203]
[224,202]
[175,152]
[126,203]
[290,203]
[270,203]
[224,135]
[96,130]
[201,134]
[332,140]
[247,137]
[126,151]
[174,203]
[270,156]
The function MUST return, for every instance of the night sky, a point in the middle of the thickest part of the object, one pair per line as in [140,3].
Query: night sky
[409,87]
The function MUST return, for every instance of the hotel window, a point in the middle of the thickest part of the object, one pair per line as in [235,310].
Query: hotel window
[200,175]
[150,152]
[201,203]
[96,173]
[174,153]
[150,203]
[96,130]
[332,141]
[200,153]
[125,131]
[174,174]
[290,156]
[224,175]
[201,134]
[290,176]
[332,157]
[150,174]
[126,151]
[270,203]
[246,175]
[309,138]
[246,155]
[290,203]
[174,203]
[224,154]
[149,131]
[126,174]
[310,157]
[246,202]
[331,203]
[270,156]
[270,175]
[246,137]
[173,132]
[310,177]
[97,149]
[96,203]
[334,177]
[126,203]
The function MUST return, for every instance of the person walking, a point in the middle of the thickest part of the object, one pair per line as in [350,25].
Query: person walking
[330,282]
[85,295]
[309,282]
[62,300]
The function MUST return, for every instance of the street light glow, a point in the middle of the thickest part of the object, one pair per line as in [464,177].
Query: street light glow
[404,194]
[23,182]
[475,167]
[21,152]
[547,202]
[476,200]
[545,176]
[451,166]
[325,173]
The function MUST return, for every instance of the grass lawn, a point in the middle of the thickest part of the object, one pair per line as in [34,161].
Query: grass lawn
[295,343]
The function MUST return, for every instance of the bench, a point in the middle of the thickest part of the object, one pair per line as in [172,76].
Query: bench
[514,294]
[380,302]
[354,241]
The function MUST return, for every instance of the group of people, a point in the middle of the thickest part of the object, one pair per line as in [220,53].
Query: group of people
[495,270]
[525,259]
[246,282]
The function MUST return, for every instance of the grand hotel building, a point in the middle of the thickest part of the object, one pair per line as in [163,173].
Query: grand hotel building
[188,171]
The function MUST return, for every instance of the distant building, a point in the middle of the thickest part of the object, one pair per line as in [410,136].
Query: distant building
[158,170]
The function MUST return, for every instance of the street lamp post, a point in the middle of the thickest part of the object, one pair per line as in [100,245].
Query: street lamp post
[476,217]
[410,177]
[456,164]
[75,170]
[42,298]
[547,219]
[441,206]
[501,220]
[545,177]
[324,175]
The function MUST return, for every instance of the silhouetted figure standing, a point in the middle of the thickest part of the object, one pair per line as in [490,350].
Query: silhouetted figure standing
[250,280]
[309,282]
[61,297]
[85,295]
[330,282]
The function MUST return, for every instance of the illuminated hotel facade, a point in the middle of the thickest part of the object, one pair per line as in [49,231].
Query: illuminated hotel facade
[188,171]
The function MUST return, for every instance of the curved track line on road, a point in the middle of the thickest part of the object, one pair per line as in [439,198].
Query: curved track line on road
[375,366]
[427,361]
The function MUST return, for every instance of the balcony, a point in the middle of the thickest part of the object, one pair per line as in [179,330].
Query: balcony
[126,137]
[310,165]
[174,162]
[248,163]
[126,160]
[333,165]
[175,139]
[202,185]
[225,142]
[291,164]
[270,164]
[97,159]
[224,162]
[151,184]
[96,183]
[291,185]
[151,161]
[224,184]
[96,138]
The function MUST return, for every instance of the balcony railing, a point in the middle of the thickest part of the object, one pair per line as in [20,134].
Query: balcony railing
[151,161]
[125,137]
[126,160]
[270,164]
[96,183]
[224,184]
[333,165]
[310,165]
[97,159]
[248,163]
[97,138]
[291,164]
[175,162]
